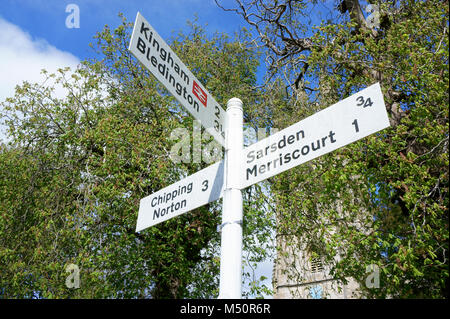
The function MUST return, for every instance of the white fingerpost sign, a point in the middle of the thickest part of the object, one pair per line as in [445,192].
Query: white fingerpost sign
[194,191]
[347,121]
[156,55]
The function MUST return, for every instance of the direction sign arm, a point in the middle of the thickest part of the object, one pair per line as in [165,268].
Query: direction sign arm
[157,56]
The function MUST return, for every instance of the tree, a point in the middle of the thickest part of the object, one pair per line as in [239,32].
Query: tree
[393,184]
[76,167]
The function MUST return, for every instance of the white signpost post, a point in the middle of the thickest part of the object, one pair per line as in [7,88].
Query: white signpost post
[347,121]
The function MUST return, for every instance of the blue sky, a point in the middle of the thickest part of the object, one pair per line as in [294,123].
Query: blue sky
[33,33]
[45,19]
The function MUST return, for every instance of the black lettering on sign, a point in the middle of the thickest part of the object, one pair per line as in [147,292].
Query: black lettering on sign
[144,30]
[355,123]
[141,45]
[205,185]
[217,113]
[363,102]
[217,126]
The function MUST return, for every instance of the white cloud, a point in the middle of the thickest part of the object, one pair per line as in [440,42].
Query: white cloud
[22,58]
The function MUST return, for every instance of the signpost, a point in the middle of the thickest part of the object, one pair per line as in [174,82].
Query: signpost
[194,191]
[347,121]
[156,55]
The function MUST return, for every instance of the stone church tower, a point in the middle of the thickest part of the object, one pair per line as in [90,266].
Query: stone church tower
[298,274]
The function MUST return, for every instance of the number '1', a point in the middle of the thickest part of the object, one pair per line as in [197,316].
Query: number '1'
[355,123]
